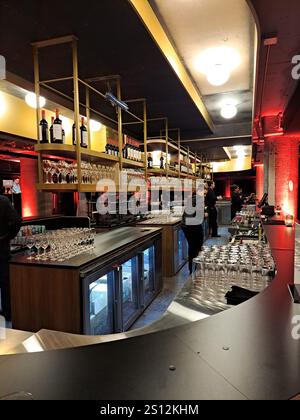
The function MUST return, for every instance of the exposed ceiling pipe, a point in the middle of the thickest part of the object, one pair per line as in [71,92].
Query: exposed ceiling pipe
[268,42]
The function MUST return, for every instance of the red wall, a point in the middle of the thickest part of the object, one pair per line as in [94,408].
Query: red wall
[286,173]
[259,181]
[28,187]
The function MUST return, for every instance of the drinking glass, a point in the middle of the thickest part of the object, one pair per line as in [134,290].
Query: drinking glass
[30,244]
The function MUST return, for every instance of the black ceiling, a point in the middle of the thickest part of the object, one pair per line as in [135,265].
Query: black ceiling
[112,40]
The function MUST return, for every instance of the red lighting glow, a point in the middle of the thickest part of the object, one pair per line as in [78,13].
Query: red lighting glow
[28,187]
[227,189]
[286,172]
[259,180]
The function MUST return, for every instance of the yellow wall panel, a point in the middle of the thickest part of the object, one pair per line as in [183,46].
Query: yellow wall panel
[233,165]
[17,118]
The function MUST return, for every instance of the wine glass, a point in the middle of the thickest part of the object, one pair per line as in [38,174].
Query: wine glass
[30,244]
[47,170]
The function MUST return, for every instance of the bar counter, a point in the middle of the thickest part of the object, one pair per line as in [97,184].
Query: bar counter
[106,244]
[247,352]
[62,295]
[174,245]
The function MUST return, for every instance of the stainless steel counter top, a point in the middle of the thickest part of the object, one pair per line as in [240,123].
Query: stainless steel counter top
[162,221]
[105,244]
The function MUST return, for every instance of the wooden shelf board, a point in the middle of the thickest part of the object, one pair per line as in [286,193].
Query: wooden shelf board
[57,187]
[69,151]
[132,163]
[98,156]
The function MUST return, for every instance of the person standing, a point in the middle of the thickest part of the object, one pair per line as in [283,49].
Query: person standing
[236,201]
[9,227]
[210,203]
[17,194]
[193,231]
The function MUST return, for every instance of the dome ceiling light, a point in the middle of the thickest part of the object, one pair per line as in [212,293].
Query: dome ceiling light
[217,64]
[229,109]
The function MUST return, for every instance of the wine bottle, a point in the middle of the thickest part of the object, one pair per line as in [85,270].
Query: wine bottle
[162,162]
[74,134]
[125,148]
[44,133]
[63,136]
[83,134]
[134,150]
[51,130]
[110,148]
[57,129]
[128,149]
[150,161]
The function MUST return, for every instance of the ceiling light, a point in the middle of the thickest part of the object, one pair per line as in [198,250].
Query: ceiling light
[229,111]
[218,75]
[95,126]
[217,64]
[2,106]
[241,154]
[30,99]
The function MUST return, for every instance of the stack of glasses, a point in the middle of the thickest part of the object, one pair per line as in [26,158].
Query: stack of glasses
[61,245]
[248,266]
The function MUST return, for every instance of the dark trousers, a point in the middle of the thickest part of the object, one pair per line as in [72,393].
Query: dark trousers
[194,237]
[212,221]
[5,289]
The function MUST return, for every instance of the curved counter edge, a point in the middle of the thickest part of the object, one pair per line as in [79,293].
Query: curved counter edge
[247,352]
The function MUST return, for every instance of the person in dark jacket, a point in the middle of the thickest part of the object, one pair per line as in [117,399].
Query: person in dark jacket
[193,233]
[210,203]
[236,201]
[10,224]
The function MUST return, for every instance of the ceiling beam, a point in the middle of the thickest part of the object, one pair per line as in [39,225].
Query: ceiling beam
[152,23]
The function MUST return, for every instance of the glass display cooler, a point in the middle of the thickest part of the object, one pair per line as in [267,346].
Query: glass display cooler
[114,297]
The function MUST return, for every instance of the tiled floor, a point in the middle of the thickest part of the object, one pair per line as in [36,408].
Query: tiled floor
[175,286]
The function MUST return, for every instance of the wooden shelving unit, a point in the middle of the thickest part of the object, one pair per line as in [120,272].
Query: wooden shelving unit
[78,154]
